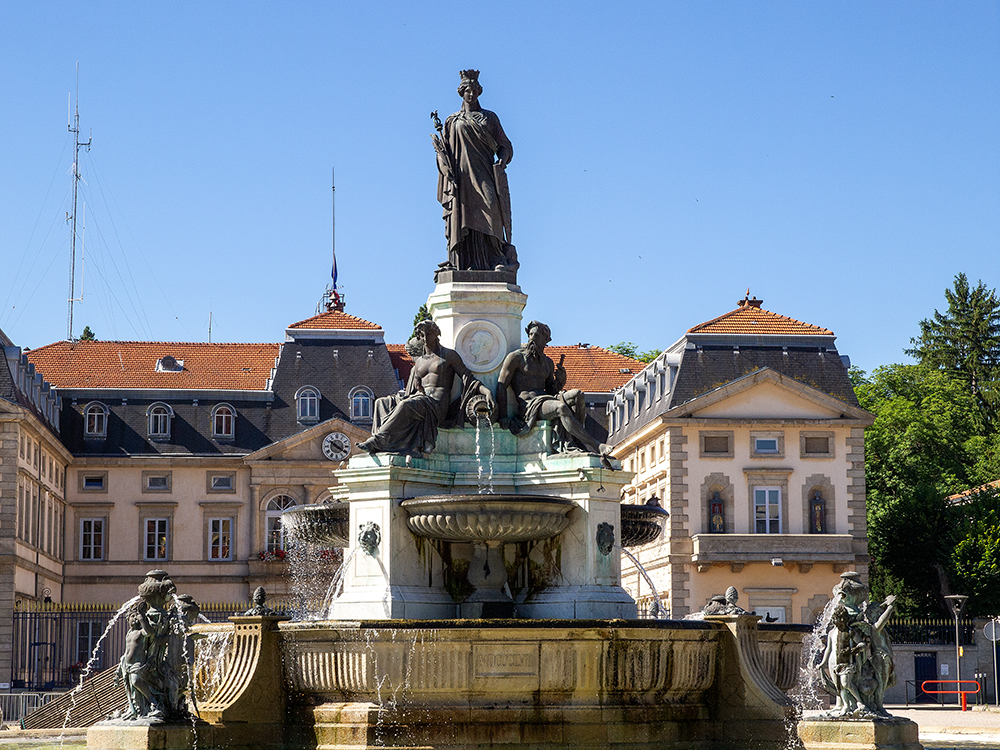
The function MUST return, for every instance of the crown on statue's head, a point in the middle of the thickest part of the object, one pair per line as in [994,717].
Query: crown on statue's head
[470,75]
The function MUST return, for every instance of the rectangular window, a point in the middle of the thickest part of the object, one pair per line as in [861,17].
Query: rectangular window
[20,510]
[157,538]
[156,481]
[222,482]
[91,538]
[767,510]
[93,482]
[765,445]
[275,537]
[88,632]
[716,444]
[817,446]
[220,535]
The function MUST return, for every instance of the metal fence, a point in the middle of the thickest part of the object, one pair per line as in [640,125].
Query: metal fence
[16,705]
[930,631]
[54,642]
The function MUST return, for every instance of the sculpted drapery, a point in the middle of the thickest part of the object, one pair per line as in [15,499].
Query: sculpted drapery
[472,185]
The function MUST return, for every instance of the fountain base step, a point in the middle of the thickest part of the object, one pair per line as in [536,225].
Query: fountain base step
[896,733]
[238,736]
[353,726]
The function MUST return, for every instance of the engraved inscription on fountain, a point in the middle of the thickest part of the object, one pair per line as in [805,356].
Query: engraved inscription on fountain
[515,660]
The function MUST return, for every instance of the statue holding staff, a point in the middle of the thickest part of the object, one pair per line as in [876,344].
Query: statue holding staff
[472,157]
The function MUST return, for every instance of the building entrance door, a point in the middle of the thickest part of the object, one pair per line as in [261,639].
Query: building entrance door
[924,668]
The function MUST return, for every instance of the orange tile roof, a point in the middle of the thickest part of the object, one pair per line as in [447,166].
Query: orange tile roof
[132,364]
[594,369]
[753,320]
[589,368]
[400,360]
[968,493]
[336,320]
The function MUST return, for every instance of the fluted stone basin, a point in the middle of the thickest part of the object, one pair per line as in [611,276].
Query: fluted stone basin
[488,518]
[641,524]
[325,524]
[488,522]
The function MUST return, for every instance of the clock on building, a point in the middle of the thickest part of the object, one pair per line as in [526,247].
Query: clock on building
[336,446]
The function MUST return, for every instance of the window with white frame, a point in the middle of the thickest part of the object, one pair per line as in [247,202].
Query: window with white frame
[223,421]
[91,538]
[307,404]
[272,522]
[767,510]
[220,539]
[361,404]
[159,420]
[88,633]
[95,420]
[157,538]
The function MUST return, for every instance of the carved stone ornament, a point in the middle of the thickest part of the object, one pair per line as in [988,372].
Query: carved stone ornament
[259,608]
[369,537]
[605,538]
[482,345]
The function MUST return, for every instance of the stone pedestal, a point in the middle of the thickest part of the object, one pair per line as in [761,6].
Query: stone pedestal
[155,737]
[571,576]
[481,320]
[896,733]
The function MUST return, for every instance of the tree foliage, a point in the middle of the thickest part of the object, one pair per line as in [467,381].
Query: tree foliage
[965,342]
[422,314]
[87,334]
[976,558]
[629,349]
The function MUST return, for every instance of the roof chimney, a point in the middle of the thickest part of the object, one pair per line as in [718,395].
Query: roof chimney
[749,301]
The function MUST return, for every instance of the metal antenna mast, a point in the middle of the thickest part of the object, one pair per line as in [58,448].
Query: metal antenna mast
[73,124]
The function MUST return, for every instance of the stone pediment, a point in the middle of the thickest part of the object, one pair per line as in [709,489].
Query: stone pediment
[307,445]
[767,394]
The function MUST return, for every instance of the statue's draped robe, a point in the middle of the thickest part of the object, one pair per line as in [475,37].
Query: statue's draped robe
[474,220]
[408,422]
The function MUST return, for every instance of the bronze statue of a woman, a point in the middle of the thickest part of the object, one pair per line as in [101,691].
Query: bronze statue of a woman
[472,187]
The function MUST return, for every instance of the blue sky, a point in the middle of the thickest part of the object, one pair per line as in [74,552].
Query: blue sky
[842,160]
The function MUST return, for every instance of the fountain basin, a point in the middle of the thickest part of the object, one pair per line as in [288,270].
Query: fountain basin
[326,524]
[641,524]
[488,518]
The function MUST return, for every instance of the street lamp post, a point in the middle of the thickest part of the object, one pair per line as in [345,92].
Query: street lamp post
[957,602]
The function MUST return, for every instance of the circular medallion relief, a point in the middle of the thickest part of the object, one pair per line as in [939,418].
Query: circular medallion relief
[482,345]
[336,446]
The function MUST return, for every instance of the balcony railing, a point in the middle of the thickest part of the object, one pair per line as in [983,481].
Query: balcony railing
[814,548]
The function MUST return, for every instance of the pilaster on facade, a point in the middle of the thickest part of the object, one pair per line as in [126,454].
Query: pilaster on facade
[857,521]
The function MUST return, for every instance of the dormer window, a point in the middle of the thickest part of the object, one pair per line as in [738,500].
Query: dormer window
[223,422]
[168,363]
[307,404]
[361,404]
[95,420]
[159,416]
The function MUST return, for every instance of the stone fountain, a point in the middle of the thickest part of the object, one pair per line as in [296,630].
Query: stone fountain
[490,613]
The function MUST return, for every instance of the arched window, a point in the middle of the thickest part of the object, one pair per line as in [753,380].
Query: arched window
[307,404]
[361,404]
[223,421]
[95,420]
[272,522]
[158,416]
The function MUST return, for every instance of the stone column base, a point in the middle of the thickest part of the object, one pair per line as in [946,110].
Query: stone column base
[896,733]
[238,736]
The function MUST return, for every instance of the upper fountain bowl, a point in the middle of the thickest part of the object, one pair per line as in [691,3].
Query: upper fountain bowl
[488,518]
[642,524]
[325,524]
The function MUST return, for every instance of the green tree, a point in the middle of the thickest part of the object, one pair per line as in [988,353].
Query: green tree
[422,314]
[965,341]
[87,334]
[976,559]
[629,349]
[917,453]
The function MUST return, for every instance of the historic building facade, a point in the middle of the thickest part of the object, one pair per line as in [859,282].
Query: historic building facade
[748,432]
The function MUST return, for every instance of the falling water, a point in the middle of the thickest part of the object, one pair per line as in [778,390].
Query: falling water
[485,484]
[809,693]
[657,609]
[91,663]
[315,574]
[210,661]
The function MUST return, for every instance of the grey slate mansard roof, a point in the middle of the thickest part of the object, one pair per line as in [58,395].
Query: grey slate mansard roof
[331,360]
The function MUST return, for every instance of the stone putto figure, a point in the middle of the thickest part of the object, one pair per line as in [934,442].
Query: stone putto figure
[857,664]
[537,384]
[472,187]
[408,421]
[159,649]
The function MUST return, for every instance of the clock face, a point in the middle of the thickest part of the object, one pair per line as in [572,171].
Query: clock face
[336,446]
